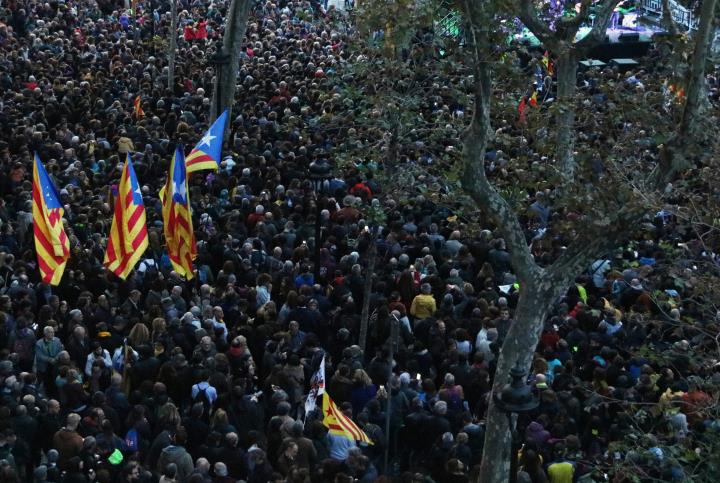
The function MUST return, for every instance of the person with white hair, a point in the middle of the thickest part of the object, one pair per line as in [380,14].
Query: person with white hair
[484,346]
[189,318]
[176,294]
[47,350]
[438,423]
[257,216]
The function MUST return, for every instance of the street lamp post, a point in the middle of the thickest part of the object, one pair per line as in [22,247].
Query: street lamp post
[514,399]
[219,59]
[394,339]
[320,176]
[172,43]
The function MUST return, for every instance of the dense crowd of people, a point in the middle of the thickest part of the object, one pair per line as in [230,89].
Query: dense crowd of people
[161,379]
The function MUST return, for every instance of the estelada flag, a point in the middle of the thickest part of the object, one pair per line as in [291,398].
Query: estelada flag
[549,67]
[51,243]
[533,99]
[339,424]
[177,218]
[521,109]
[206,154]
[128,238]
[137,108]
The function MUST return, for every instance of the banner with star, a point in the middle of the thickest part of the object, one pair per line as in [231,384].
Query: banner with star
[339,424]
[206,154]
[51,243]
[128,238]
[177,219]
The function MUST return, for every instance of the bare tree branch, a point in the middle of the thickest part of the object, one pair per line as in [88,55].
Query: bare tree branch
[529,17]
[474,180]
[676,159]
[667,21]
[573,23]
[599,28]
[594,243]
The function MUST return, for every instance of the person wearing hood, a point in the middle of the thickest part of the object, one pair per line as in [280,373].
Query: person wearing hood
[536,434]
[97,354]
[259,468]
[177,454]
[630,295]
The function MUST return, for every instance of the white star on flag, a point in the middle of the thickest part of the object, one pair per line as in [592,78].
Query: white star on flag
[207,138]
[179,189]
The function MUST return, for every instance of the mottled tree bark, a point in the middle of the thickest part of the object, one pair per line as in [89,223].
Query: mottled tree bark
[677,159]
[567,66]
[696,83]
[561,42]
[496,454]
[539,288]
[536,297]
[235,24]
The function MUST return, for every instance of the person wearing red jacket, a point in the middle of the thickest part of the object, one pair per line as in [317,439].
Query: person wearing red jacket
[189,33]
[361,187]
[201,32]
[253,218]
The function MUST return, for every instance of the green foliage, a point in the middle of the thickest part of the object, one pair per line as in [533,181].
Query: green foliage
[406,126]
[693,459]
[374,215]
[159,43]
[398,20]
[401,128]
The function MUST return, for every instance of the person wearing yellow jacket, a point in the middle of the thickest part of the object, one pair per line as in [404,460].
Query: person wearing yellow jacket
[423,305]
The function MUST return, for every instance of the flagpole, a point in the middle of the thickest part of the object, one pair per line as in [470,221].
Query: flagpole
[125,382]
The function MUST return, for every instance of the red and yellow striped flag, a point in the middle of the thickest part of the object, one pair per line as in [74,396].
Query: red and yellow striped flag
[549,67]
[177,219]
[51,243]
[533,99]
[339,424]
[206,155]
[137,108]
[521,109]
[128,236]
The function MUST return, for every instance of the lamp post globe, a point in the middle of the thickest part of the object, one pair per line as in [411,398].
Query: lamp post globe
[516,397]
